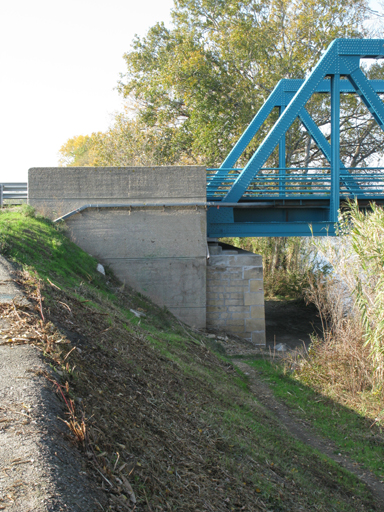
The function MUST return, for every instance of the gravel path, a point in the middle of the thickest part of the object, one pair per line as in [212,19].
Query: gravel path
[40,470]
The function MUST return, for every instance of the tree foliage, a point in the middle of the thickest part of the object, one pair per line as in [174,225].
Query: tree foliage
[80,151]
[202,81]
[196,86]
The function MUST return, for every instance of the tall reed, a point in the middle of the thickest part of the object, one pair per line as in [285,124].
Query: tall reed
[350,357]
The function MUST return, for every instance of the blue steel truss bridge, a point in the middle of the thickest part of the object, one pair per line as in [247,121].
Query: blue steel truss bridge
[257,200]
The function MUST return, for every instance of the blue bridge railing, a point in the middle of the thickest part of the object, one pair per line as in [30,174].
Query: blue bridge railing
[299,182]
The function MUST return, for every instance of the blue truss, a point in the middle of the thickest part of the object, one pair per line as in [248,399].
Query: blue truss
[291,202]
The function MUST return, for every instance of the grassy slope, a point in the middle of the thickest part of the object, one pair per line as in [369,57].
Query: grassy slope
[163,412]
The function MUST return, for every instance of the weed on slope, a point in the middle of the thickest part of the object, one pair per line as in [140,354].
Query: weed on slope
[164,423]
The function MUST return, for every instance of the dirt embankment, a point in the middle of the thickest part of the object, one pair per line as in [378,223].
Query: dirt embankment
[40,469]
[156,421]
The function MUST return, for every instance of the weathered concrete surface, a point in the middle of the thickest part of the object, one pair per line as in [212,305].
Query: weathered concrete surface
[150,233]
[235,293]
[63,189]
[161,252]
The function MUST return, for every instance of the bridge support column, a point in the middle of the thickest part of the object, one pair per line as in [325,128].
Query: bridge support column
[335,148]
[235,294]
[282,161]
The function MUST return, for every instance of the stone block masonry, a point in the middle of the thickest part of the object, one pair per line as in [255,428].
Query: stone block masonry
[235,293]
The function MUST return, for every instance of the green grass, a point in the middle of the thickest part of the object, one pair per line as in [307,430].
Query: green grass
[347,429]
[41,247]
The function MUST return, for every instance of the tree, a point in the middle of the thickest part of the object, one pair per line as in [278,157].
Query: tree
[195,87]
[80,151]
[199,84]
[128,142]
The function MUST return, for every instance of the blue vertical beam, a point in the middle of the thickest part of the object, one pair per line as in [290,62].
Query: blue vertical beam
[282,125]
[282,161]
[335,147]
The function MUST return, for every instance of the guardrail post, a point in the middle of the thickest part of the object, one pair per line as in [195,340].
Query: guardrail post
[1,195]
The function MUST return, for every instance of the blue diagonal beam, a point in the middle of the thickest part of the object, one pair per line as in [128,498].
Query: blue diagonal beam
[253,127]
[342,57]
[246,137]
[321,141]
[276,99]
[281,126]
[368,95]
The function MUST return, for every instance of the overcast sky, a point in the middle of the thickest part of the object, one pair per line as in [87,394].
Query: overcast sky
[60,62]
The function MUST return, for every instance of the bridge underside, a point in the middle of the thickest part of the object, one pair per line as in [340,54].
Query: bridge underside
[278,217]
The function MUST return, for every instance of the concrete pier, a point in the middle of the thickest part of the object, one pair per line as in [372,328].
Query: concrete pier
[235,294]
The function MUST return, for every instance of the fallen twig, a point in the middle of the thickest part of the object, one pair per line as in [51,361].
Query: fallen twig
[65,305]
[74,348]
[14,307]
[52,284]
[106,479]
[40,301]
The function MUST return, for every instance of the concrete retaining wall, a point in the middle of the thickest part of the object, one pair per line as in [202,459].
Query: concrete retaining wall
[235,294]
[161,252]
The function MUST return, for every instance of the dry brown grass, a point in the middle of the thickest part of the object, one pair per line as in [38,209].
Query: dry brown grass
[340,364]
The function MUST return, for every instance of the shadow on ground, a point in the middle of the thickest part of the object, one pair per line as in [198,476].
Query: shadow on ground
[290,322]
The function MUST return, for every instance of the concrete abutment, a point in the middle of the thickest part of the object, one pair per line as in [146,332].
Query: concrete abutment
[150,228]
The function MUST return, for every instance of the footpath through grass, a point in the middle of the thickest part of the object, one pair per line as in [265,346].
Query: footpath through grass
[354,434]
[161,420]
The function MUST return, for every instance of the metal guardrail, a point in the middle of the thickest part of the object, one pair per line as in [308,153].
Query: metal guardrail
[316,183]
[10,191]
